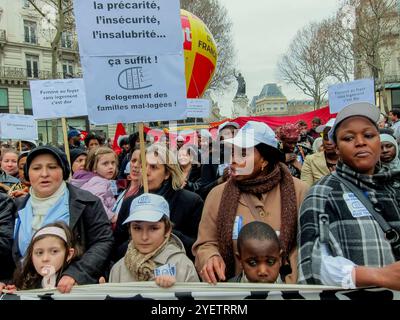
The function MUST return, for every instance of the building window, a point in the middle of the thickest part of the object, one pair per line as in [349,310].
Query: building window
[27,102]
[66,40]
[32,67]
[396,98]
[68,69]
[4,101]
[30,32]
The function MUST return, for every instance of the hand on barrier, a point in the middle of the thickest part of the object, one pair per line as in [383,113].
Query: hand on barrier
[214,267]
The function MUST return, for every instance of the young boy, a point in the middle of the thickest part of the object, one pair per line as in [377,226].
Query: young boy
[259,253]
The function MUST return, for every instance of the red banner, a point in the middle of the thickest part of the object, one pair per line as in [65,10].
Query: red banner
[277,121]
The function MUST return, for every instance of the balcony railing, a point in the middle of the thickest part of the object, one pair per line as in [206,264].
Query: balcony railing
[3,36]
[12,73]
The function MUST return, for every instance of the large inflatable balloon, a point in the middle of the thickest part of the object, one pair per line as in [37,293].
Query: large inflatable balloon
[200,54]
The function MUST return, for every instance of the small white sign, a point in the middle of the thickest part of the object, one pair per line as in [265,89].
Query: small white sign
[110,28]
[343,94]
[198,108]
[53,99]
[18,127]
[135,88]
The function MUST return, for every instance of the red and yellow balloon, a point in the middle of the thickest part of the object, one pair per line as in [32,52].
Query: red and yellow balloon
[200,53]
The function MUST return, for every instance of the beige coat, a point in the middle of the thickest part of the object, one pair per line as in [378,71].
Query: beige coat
[206,245]
[314,168]
[174,253]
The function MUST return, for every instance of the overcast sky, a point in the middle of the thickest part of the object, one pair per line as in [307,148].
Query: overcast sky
[262,32]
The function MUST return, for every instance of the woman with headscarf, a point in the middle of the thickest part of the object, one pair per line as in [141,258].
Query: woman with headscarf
[389,152]
[52,199]
[260,188]
[293,156]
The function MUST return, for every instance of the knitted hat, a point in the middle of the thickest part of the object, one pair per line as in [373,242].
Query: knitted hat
[75,153]
[57,153]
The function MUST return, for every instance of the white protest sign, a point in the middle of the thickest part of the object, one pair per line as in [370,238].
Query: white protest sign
[18,127]
[110,28]
[343,94]
[52,99]
[198,108]
[135,88]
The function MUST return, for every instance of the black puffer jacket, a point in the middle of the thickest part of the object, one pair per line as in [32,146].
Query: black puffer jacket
[93,232]
[7,217]
[185,213]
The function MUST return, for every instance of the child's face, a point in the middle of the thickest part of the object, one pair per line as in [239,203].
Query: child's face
[148,236]
[48,252]
[260,260]
[106,166]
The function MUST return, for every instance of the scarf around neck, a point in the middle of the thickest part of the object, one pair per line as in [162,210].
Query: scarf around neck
[378,181]
[264,183]
[23,229]
[142,266]
[41,206]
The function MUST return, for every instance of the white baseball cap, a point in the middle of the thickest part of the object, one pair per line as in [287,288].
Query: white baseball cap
[252,134]
[330,124]
[228,124]
[148,207]
[362,109]
[180,138]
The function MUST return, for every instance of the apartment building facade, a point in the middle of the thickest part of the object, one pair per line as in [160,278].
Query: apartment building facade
[26,54]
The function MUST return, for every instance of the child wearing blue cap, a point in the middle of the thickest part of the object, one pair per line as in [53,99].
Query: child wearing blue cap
[154,253]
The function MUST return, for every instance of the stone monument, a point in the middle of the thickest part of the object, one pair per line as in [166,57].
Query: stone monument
[240,101]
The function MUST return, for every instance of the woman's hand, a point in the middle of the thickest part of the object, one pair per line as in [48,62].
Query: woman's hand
[7,288]
[213,269]
[65,284]
[165,281]
[390,275]
[18,193]
[385,277]
[290,157]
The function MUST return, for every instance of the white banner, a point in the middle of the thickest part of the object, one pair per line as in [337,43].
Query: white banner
[52,99]
[343,94]
[110,28]
[135,88]
[18,127]
[198,108]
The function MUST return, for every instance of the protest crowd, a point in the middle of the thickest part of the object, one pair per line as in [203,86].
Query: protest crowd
[303,205]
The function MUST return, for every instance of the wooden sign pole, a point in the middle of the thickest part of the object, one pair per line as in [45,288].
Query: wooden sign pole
[65,134]
[143,157]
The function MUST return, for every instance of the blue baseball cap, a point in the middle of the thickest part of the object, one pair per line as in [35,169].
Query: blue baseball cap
[73,133]
[148,207]
[254,133]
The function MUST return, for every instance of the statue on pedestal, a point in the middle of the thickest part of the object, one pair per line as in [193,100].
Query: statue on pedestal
[241,90]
